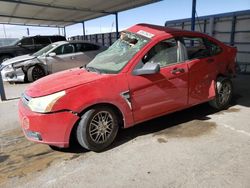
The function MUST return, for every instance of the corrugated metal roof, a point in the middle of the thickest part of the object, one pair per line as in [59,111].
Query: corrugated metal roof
[60,13]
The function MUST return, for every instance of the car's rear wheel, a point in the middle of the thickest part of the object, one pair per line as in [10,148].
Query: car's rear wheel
[224,92]
[97,128]
[34,73]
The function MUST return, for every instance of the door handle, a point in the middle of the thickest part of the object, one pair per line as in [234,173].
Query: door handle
[177,70]
[210,60]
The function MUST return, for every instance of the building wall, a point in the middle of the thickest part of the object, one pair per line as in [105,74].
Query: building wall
[231,28]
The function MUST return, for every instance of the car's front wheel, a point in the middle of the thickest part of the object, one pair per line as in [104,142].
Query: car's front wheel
[224,92]
[34,73]
[97,128]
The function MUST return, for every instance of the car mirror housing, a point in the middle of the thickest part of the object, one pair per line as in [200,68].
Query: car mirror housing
[148,68]
[52,54]
[19,44]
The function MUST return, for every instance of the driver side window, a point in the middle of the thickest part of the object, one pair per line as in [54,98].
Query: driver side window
[164,53]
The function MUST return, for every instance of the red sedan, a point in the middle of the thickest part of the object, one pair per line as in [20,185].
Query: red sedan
[148,72]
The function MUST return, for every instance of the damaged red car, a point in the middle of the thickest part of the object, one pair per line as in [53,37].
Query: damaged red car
[148,72]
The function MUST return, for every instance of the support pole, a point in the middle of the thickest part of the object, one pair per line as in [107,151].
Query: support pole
[116,25]
[193,15]
[211,26]
[2,92]
[83,30]
[28,31]
[64,30]
[233,31]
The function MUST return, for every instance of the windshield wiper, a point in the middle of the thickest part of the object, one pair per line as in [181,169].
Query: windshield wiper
[92,69]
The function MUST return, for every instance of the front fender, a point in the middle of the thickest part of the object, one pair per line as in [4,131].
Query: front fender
[104,91]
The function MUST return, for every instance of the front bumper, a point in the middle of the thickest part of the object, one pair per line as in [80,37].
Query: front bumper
[52,129]
[13,75]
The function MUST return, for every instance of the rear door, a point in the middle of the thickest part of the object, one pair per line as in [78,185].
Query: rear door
[156,94]
[202,68]
[84,53]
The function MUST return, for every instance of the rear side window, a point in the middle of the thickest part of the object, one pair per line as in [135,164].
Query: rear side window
[196,47]
[42,40]
[214,49]
[27,41]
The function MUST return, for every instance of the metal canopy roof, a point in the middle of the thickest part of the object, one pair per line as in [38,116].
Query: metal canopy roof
[61,13]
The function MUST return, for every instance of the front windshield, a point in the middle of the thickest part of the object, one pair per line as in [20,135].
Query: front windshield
[44,50]
[118,55]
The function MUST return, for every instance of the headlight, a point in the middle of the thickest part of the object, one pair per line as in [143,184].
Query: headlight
[8,68]
[46,103]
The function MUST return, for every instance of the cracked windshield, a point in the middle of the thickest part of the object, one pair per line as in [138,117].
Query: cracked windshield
[118,55]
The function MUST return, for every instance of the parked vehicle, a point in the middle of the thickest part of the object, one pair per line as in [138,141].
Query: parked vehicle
[27,45]
[55,57]
[150,71]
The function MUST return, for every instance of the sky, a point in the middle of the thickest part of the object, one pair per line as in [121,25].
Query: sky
[156,13]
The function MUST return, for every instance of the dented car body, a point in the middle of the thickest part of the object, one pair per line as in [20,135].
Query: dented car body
[55,57]
[150,71]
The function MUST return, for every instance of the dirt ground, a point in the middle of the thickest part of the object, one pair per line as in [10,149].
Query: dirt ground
[197,147]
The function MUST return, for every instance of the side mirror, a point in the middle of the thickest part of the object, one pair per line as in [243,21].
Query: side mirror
[19,44]
[148,68]
[52,54]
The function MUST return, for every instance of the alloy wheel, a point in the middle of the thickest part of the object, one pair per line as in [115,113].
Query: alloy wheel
[101,127]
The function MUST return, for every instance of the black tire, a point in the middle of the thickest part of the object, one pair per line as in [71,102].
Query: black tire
[94,126]
[34,73]
[224,93]
[4,58]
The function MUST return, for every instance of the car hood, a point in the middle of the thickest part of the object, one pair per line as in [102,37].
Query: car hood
[61,81]
[17,59]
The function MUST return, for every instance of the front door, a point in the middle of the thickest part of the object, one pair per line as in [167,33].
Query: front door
[156,94]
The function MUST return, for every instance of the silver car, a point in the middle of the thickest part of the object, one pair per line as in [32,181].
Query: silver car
[55,57]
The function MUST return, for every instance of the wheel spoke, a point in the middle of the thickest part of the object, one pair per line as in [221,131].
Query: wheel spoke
[103,137]
[94,131]
[94,122]
[98,137]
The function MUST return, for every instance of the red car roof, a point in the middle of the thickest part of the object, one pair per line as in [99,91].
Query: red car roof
[156,30]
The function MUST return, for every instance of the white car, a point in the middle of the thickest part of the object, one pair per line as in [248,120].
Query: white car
[55,57]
